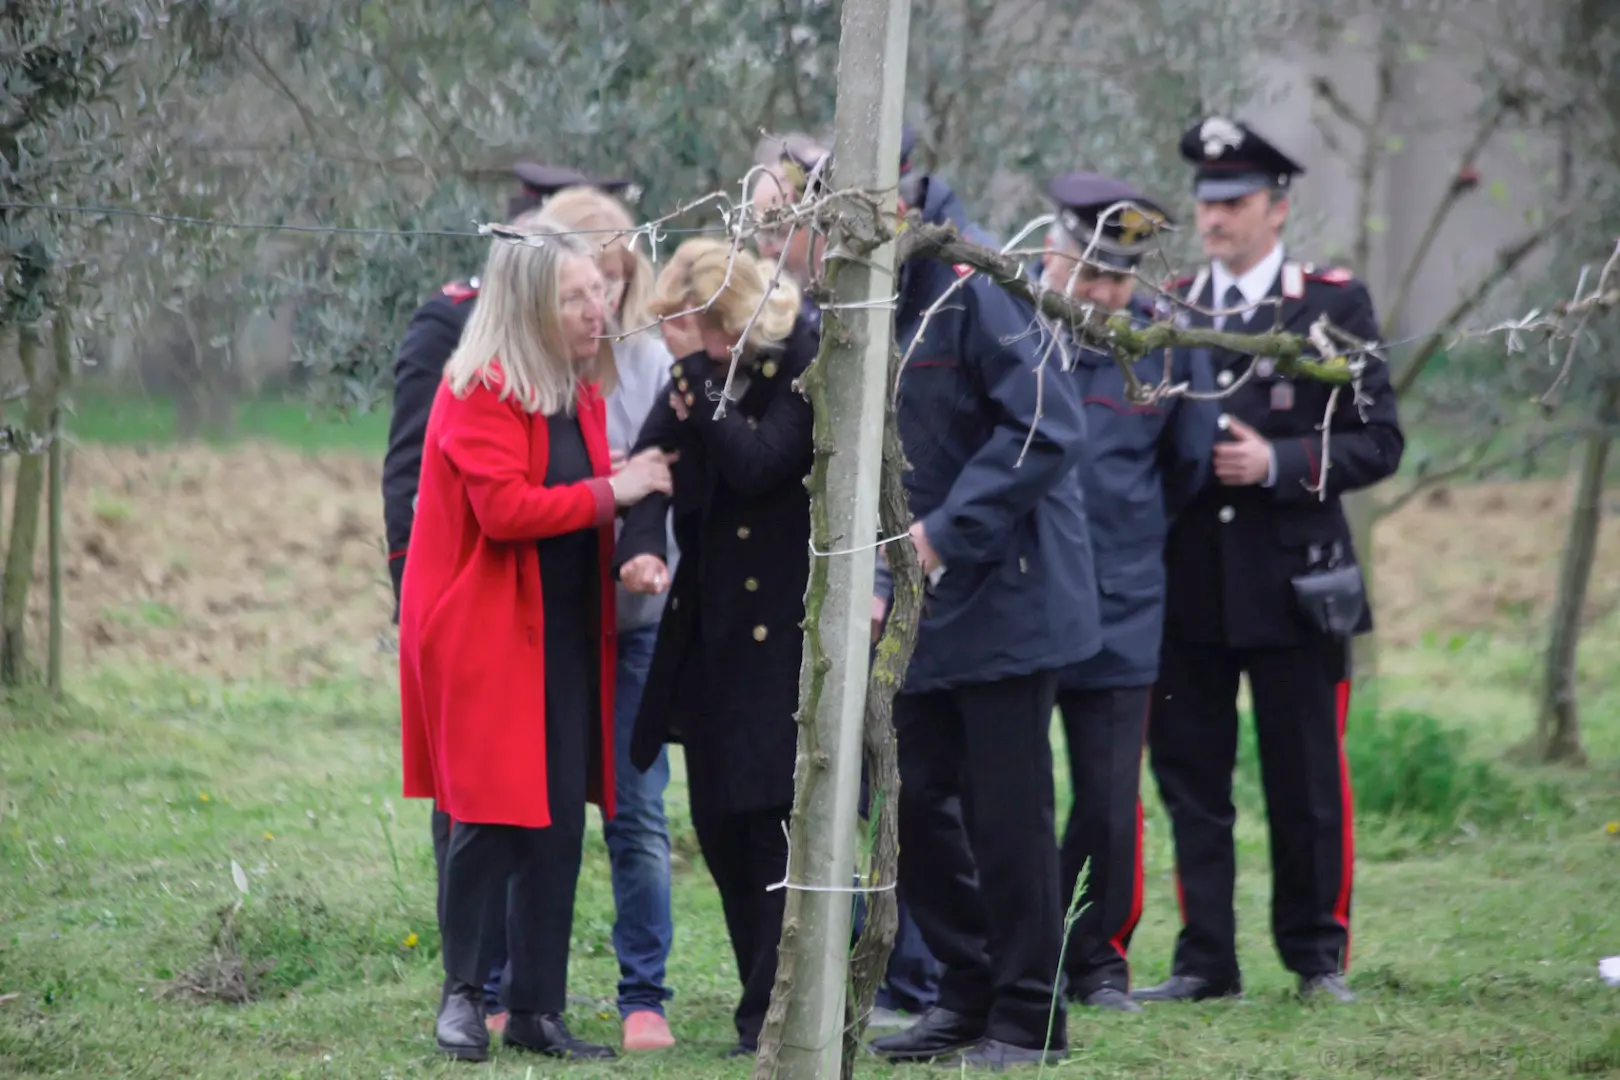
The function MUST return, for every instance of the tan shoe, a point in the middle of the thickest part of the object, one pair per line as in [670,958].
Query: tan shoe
[646,1030]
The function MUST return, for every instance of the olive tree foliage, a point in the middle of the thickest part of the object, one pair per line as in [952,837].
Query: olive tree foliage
[1008,95]
[386,134]
[83,89]
[406,118]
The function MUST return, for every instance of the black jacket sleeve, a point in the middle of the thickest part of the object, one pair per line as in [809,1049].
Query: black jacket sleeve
[431,337]
[645,529]
[1365,442]
[754,459]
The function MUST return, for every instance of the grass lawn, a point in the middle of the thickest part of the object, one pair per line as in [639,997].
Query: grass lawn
[1480,915]
[1486,893]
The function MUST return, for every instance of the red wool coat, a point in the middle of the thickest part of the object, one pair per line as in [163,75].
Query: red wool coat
[471,632]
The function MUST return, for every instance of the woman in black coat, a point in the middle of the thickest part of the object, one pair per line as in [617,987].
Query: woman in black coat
[724,680]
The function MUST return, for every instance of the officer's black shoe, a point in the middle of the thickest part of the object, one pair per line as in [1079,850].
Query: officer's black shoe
[995,1055]
[1110,998]
[1331,984]
[741,1050]
[542,1033]
[1188,988]
[937,1033]
[460,1027]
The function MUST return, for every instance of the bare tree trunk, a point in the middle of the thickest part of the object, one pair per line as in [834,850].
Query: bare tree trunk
[1558,731]
[803,1032]
[62,346]
[871,956]
[25,513]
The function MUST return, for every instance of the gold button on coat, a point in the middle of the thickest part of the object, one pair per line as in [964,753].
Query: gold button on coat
[742,532]
[752,584]
[759,633]
[768,369]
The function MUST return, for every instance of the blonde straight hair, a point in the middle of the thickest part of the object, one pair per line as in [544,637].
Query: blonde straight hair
[698,271]
[513,342]
[609,230]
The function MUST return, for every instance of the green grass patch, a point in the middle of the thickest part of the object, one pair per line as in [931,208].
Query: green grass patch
[127,419]
[121,815]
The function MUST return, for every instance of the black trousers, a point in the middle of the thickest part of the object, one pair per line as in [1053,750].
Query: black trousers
[1301,697]
[746,852]
[525,879]
[983,885]
[1104,730]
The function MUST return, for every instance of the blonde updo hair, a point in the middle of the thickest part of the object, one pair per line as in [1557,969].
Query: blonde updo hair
[607,227]
[698,271]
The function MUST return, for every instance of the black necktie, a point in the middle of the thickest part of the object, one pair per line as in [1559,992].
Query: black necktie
[1233,299]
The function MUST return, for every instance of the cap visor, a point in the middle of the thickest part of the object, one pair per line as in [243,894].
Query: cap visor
[1224,188]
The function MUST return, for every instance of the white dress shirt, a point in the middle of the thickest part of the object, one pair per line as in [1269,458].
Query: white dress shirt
[1255,283]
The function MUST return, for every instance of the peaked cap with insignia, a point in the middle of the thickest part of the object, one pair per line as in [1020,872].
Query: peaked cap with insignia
[1125,235]
[1233,160]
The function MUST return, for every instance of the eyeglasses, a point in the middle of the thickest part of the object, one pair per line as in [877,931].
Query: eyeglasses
[577,300]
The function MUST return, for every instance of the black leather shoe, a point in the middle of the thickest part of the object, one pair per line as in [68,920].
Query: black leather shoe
[1188,988]
[740,1051]
[542,1033]
[1109,998]
[995,1055]
[460,1027]
[937,1033]
[1331,984]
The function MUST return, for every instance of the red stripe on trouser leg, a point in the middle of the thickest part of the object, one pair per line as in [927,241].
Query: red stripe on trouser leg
[1341,907]
[1138,885]
[1122,935]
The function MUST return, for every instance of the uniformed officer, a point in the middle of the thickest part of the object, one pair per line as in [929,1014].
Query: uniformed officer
[1000,528]
[1262,581]
[1142,463]
[430,337]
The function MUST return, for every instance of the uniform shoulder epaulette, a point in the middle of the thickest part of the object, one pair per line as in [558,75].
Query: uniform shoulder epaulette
[1181,282]
[1332,275]
[458,291]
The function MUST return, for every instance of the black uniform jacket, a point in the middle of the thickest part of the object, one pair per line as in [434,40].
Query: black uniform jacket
[724,679]
[433,334]
[1233,552]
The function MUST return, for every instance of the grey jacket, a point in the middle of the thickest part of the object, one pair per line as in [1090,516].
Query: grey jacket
[643,364]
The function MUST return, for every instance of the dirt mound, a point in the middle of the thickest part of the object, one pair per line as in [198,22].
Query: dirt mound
[263,562]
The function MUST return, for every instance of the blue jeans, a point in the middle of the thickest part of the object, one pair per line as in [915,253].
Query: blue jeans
[638,847]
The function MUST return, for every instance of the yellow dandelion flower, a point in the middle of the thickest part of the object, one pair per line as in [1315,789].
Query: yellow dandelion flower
[268,835]
[1613,828]
[411,940]
[202,797]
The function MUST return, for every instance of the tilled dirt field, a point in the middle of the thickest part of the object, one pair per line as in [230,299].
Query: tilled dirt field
[261,562]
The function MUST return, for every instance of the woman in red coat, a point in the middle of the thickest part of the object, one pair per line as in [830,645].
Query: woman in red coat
[507,628]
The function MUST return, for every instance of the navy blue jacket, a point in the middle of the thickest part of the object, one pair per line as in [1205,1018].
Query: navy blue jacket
[1142,465]
[1019,594]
